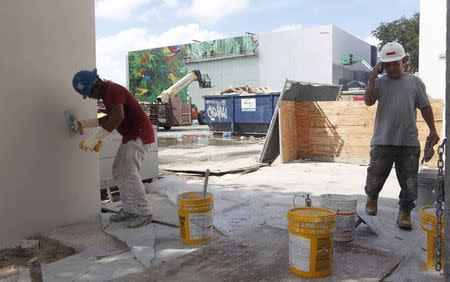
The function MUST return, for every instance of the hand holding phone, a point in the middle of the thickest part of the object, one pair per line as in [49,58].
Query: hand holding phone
[380,68]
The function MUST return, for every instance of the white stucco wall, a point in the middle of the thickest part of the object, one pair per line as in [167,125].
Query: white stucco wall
[304,54]
[45,180]
[432,46]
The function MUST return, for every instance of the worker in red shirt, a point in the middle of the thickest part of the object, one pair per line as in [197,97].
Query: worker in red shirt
[125,115]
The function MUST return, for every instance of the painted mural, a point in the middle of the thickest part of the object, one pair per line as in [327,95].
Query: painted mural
[153,70]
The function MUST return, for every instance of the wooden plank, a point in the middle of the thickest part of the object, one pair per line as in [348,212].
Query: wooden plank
[288,131]
[220,172]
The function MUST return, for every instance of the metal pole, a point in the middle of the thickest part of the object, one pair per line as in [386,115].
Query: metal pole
[447,154]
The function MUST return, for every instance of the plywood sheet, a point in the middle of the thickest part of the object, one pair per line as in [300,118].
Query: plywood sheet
[337,129]
[288,131]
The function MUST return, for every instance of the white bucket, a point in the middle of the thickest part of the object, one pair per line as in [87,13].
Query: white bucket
[345,207]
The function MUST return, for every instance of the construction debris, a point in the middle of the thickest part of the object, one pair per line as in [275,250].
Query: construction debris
[14,260]
[246,90]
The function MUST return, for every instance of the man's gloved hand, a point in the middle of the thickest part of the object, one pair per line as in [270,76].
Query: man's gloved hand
[79,125]
[89,145]
[97,147]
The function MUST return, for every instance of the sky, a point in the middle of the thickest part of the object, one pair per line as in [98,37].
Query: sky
[127,25]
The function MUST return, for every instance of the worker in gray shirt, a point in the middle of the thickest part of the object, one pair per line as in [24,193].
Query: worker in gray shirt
[395,137]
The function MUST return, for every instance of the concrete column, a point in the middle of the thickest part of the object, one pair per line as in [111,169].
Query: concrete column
[45,180]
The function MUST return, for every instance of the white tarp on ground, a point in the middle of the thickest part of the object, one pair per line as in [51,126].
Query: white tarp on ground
[245,203]
[234,211]
[142,241]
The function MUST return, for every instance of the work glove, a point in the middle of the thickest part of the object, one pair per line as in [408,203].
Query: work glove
[79,125]
[94,142]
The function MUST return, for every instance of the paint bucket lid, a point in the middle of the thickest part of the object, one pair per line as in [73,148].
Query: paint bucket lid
[194,198]
[311,214]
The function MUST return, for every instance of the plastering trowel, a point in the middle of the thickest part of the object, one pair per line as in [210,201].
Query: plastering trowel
[360,220]
[428,152]
[70,119]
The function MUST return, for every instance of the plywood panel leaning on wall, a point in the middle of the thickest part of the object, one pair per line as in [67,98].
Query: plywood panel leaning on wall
[337,130]
[288,126]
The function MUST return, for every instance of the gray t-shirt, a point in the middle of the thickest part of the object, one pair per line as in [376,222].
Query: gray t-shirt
[398,99]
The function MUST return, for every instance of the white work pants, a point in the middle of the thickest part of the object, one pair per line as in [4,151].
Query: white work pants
[125,170]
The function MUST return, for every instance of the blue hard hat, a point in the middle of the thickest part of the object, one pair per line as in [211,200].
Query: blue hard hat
[83,82]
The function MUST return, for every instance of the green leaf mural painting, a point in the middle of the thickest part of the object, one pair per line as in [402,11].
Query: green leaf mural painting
[153,70]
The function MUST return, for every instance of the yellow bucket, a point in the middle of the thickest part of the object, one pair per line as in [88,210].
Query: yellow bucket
[427,216]
[311,241]
[195,214]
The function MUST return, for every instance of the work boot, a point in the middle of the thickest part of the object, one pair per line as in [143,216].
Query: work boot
[122,216]
[140,220]
[372,205]
[404,220]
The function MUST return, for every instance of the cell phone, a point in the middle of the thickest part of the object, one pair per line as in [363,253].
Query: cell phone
[381,69]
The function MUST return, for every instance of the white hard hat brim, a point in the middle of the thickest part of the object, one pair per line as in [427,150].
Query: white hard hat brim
[392,59]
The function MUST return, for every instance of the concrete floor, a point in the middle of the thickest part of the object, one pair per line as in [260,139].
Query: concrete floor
[251,239]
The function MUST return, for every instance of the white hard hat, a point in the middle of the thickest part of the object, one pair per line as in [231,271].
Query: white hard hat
[392,51]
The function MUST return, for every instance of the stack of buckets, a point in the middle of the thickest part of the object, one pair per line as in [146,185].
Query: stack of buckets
[427,216]
[312,230]
[195,214]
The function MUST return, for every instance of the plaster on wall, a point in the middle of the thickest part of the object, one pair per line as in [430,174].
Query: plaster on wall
[45,180]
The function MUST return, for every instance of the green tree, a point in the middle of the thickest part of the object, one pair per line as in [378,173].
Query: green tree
[406,32]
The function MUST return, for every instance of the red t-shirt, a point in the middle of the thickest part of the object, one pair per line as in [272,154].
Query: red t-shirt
[136,123]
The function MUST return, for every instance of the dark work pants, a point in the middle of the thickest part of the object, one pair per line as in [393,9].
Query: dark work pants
[406,159]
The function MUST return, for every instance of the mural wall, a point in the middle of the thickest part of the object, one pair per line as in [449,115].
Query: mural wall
[153,70]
